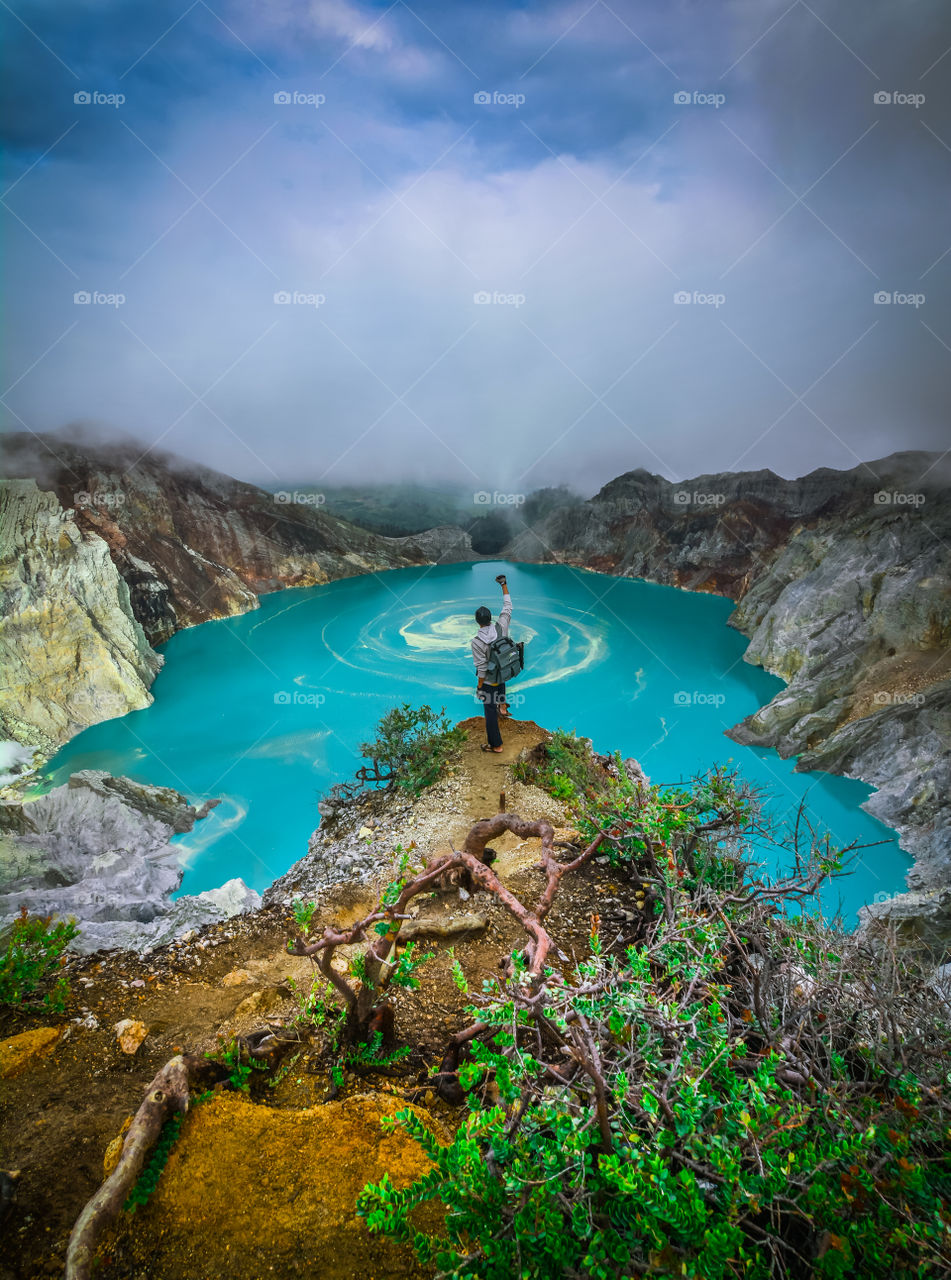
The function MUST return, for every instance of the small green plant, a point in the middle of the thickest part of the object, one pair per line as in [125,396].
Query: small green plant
[404,972]
[239,1062]
[459,978]
[34,953]
[358,967]
[317,1008]
[282,1071]
[370,1053]
[303,913]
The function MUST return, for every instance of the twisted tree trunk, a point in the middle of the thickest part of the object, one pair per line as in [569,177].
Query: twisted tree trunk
[167,1094]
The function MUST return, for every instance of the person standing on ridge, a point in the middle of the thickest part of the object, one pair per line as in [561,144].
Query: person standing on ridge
[492,696]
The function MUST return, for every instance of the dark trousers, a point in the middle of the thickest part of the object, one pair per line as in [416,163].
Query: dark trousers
[492,697]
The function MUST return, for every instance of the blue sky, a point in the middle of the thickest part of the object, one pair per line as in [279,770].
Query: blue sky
[486,218]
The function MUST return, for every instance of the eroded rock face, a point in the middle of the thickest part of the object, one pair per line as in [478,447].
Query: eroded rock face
[843,584]
[97,849]
[71,649]
[117,549]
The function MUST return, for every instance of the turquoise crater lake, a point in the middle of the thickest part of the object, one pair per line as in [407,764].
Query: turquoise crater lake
[267,710]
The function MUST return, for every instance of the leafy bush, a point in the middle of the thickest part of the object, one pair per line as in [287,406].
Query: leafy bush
[34,953]
[413,746]
[563,766]
[741,1090]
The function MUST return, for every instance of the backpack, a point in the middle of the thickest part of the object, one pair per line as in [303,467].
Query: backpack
[504,659]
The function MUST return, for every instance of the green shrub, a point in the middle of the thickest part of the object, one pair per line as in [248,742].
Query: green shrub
[413,748]
[564,766]
[743,1091]
[33,955]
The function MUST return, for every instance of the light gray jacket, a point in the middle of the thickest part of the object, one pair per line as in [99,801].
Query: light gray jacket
[485,635]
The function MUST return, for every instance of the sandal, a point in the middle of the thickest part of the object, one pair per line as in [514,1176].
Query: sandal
[494,750]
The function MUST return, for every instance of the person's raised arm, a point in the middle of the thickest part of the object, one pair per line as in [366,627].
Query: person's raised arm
[506,614]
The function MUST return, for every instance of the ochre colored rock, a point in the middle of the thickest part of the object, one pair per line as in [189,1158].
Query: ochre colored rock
[237,978]
[17,1053]
[257,1004]
[251,1190]
[130,1034]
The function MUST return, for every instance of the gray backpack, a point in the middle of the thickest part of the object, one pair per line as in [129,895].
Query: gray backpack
[504,659]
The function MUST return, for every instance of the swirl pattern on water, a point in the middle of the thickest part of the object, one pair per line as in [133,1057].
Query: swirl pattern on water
[435,644]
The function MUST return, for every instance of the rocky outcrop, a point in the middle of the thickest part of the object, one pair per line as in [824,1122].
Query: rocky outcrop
[117,548]
[71,650]
[843,585]
[445,544]
[97,850]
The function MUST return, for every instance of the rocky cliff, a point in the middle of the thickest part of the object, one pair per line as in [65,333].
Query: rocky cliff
[842,582]
[108,550]
[71,650]
[98,849]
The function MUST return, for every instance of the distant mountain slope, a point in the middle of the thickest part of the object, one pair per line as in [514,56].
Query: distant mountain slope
[193,543]
[843,583]
[116,548]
